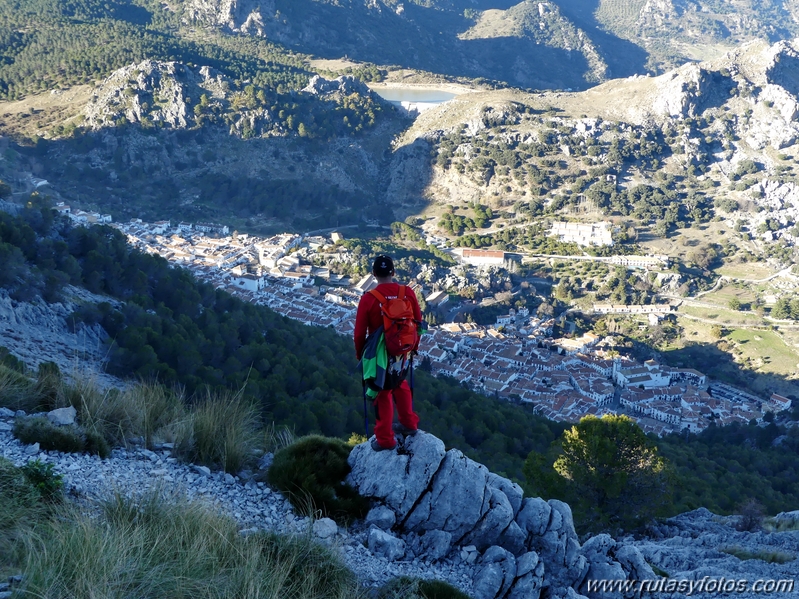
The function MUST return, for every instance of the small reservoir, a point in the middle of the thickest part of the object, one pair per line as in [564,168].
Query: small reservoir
[413,95]
[414,99]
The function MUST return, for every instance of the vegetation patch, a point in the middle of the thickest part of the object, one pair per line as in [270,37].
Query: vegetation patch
[50,437]
[770,557]
[162,546]
[311,474]
[20,508]
[221,430]
[405,587]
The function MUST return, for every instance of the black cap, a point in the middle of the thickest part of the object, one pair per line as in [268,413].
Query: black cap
[383,266]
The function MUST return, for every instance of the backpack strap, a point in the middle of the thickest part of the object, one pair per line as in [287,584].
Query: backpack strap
[378,296]
[401,294]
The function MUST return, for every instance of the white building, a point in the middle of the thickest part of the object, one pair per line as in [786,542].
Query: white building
[249,282]
[595,234]
[483,257]
[437,298]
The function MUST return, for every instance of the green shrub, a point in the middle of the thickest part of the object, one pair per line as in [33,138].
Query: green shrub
[45,480]
[159,546]
[221,430]
[313,470]
[38,429]
[414,588]
[68,439]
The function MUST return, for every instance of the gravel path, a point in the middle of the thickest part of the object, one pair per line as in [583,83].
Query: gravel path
[253,504]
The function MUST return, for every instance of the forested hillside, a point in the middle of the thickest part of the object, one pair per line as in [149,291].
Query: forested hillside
[184,332]
[48,44]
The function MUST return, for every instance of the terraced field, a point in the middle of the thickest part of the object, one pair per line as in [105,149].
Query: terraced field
[619,16]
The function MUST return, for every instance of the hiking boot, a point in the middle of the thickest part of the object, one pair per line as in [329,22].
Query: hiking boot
[377,447]
[400,428]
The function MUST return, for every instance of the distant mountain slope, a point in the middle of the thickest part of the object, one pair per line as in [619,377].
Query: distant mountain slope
[535,47]
[544,45]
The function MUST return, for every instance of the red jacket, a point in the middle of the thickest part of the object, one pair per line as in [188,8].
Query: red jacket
[369,318]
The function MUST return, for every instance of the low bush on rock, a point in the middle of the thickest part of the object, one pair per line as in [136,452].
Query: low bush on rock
[67,439]
[414,588]
[313,471]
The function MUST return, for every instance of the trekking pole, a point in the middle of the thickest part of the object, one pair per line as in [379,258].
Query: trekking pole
[411,377]
[365,414]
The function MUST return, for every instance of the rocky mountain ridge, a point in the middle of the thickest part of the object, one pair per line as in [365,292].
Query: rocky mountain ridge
[614,39]
[181,125]
[427,505]
[428,501]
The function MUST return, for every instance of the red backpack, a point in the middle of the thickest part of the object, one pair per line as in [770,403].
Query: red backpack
[399,325]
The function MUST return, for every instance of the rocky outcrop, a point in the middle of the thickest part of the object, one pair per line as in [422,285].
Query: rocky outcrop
[680,91]
[237,16]
[153,92]
[701,544]
[39,332]
[442,499]
[342,86]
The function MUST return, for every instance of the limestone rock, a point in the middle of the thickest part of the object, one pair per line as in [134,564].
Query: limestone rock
[382,517]
[396,478]
[344,85]
[787,518]
[529,577]
[433,544]
[559,549]
[324,528]
[495,575]
[385,545]
[511,490]
[534,516]
[513,538]
[62,416]
[457,500]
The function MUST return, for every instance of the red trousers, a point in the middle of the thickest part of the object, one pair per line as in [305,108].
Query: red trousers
[384,413]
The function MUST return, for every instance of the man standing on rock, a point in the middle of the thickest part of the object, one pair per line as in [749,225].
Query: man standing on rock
[387,328]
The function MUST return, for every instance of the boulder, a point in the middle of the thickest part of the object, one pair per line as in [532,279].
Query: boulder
[559,549]
[495,575]
[513,538]
[787,519]
[385,545]
[459,502]
[62,416]
[433,544]
[382,517]
[533,518]
[601,566]
[512,491]
[633,563]
[496,519]
[324,528]
[529,577]
[6,413]
[397,479]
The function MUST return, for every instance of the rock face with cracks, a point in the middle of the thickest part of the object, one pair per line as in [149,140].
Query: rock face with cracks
[443,500]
